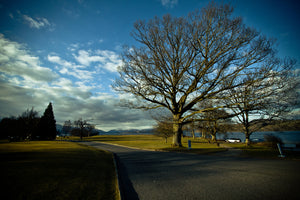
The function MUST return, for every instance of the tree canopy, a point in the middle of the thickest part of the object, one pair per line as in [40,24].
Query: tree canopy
[183,61]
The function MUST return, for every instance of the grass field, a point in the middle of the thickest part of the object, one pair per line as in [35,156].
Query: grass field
[199,146]
[157,143]
[55,170]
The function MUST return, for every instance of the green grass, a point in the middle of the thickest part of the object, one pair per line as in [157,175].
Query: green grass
[152,142]
[55,170]
[199,146]
[264,151]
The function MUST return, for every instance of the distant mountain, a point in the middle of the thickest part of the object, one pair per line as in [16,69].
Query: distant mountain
[127,132]
[116,131]
[59,127]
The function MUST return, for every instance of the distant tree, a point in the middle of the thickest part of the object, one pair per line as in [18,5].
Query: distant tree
[183,61]
[268,95]
[67,127]
[201,125]
[76,132]
[213,120]
[28,122]
[164,129]
[80,126]
[91,130]
[23,127]
[47,125]
[83,128]
[10,129]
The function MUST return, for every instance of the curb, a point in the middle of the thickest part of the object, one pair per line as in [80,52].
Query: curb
[136,148]
[117,174]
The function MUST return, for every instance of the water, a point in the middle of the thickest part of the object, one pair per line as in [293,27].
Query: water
[286,136]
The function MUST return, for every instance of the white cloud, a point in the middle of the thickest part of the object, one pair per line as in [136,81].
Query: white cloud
[58,60]
[112,60]
[25,83]
[78,73]
[69,68]
[73,47]
[38,22]
[86,59]
[104,59]
[169,3]
[15,60]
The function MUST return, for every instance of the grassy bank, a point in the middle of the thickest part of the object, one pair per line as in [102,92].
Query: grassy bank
[55,170]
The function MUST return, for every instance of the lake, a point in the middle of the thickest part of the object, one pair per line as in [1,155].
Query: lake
[286,136]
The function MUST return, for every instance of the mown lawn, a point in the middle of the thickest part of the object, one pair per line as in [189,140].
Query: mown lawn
[199,146]
[55,170]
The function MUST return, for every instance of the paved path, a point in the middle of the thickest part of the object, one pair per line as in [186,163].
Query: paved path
[148,175]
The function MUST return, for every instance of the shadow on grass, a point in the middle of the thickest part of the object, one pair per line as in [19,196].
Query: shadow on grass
[52,170]
[264,152]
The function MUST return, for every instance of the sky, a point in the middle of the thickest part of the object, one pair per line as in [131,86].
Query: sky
[67,52]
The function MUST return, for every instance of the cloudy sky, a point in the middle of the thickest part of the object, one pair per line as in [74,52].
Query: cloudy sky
[67,51]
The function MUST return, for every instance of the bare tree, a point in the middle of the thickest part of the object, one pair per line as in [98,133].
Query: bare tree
[29,121]
[90,129]
[81,124]
[84,128]
[67,127]
[216,123]
[186,60]
[164,129]
[212,121]
[268,95]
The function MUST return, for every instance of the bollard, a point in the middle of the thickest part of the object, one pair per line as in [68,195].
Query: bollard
[280,151]
[189,144]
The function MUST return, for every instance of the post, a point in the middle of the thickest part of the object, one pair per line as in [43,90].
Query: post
[189,144]
[280,151]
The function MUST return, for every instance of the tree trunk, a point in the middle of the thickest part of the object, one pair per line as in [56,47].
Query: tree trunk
[247,141]
[247,134]
[214,132]
[203,133]
[177,130]
[247,131]
[213,138]
[193,129]
[193,133]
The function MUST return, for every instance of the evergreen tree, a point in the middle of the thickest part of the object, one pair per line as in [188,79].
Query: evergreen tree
[47,125]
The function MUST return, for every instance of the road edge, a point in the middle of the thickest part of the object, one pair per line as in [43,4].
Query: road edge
[117,174]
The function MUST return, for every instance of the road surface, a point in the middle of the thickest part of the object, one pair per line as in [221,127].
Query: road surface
[149,175]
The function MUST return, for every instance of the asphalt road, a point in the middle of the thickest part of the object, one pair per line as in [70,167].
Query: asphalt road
[148,175]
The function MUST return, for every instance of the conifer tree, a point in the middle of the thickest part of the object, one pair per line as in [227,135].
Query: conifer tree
[47,126]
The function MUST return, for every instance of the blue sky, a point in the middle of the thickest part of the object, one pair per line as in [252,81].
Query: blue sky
[67,52]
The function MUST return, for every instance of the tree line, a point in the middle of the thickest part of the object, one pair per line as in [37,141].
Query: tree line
[29,126]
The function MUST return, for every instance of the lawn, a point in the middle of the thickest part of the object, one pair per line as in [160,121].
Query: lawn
[56,170]
[264,151]
[152,142]
[199,146]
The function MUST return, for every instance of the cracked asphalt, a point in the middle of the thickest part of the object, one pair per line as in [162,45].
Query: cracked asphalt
[154,175]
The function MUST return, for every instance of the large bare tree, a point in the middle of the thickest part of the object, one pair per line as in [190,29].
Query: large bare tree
[181,61]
